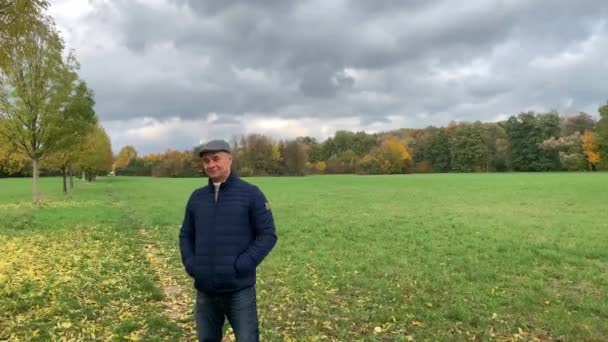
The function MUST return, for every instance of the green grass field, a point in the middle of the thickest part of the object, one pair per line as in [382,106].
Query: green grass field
[506,257]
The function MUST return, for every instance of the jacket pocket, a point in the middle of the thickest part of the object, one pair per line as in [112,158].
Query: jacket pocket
[201,269]
[243,265]
[225,274]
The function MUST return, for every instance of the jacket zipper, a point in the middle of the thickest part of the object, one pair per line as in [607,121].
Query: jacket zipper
[213,236]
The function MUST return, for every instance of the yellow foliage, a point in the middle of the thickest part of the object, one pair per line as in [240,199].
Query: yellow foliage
[321,166]
[46,271]
[125,156]
[394,145]
[276,152]
[153,157]
[591,148]
[11,161]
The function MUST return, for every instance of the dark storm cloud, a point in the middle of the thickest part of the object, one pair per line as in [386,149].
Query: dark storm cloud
[429,61]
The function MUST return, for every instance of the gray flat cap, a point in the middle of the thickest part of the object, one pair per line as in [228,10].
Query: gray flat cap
[212,146]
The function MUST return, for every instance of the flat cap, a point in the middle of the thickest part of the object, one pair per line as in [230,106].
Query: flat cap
[212,146]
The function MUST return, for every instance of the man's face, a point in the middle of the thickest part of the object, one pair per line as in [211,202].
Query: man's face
[217,165]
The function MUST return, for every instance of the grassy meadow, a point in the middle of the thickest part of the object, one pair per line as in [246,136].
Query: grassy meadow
[448,257]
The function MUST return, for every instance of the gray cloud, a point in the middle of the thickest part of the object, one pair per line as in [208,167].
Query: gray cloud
[428,62]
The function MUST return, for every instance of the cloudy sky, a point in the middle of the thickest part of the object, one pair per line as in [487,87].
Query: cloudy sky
[170,73]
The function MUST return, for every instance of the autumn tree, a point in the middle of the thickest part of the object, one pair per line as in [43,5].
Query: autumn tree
[313,148]
[78,121]
[256,155]
[95,154]
[11,161]
[591,149]
[569,150]
[175,163]
[17,18]
[36,85]
[320,167]
[295,158]
[392,156]
[125,156]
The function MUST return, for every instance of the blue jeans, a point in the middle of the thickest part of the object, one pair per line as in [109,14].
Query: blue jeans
[240,309]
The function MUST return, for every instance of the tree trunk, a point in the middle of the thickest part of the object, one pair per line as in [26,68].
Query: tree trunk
[65,183]
[83,176]
[36,191]
[71,178]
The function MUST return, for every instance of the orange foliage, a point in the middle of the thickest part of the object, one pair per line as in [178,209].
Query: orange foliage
[591,148]
[394,145]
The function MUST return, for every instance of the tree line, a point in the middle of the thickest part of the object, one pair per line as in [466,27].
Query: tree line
[47,116]
[525,142]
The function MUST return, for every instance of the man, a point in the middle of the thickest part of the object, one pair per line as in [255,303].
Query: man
[227,231]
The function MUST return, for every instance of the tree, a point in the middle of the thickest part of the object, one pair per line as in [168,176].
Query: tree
[334,165]
[256,155]
[321,167]
[36,85]
[95,154]
[569,149]
[360,142]
[11,161]
[78,121]
[313,148]
[17,17]
[174,163]
[392,156]
[602,134]
[496,140]
[295,158]
[527,132]
[369,165]
[577,123]
[438,151]
[419,143]
[348,159]
[62,161]
[468,151]
[591,149]
[125,156]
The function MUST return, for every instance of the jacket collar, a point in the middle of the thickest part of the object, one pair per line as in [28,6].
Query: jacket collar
[231,178]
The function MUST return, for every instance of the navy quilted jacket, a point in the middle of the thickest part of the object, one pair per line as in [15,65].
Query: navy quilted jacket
[223,242]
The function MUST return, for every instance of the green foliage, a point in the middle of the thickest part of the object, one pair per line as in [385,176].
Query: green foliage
[570,151]
[468,152]
[527,132]
[360,143]
[602,134]
[438,152]
[17,18]
[43,109]
[255,152]
[496,140]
